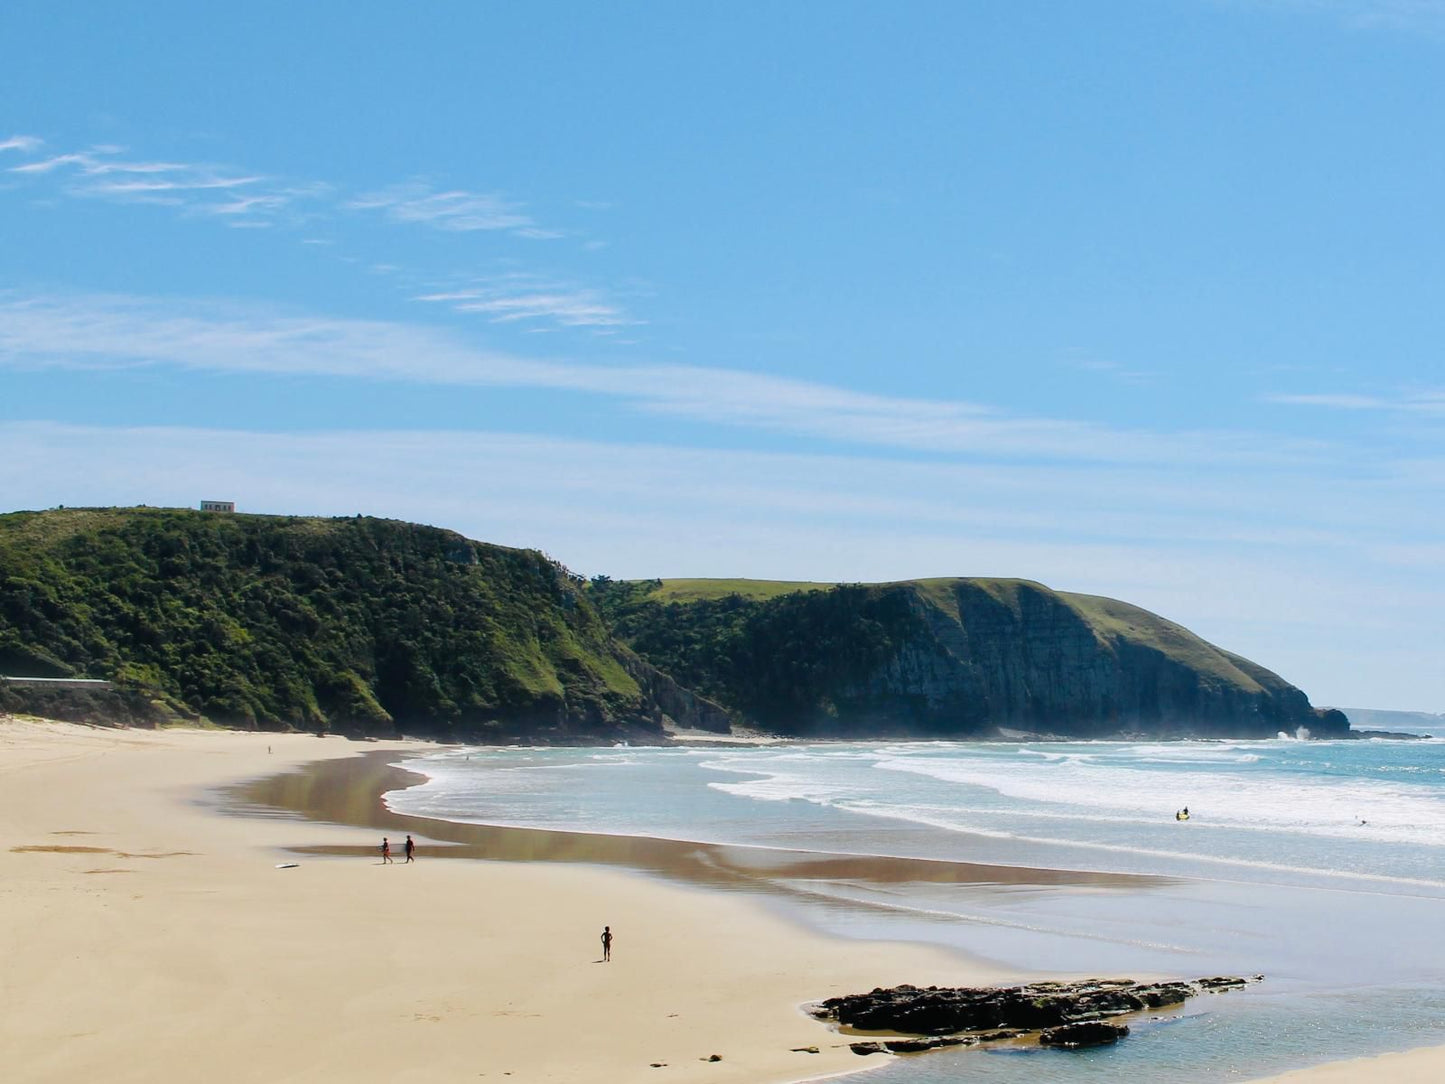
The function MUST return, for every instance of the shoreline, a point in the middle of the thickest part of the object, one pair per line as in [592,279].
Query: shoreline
[147,927]
[147,935]
[351,792]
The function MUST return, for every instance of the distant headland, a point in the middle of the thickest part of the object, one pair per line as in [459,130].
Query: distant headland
[370,627]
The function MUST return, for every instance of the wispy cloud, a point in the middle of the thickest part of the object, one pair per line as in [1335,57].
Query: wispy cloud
[519,298]
[248,199]
[119,332]
[1335,402]
[20,143]
[1420,402]
[105,172]
[454,210]
[241,197]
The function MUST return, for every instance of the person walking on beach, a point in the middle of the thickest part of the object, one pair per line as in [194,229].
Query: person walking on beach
[385,851]
[410,850]
[606,943]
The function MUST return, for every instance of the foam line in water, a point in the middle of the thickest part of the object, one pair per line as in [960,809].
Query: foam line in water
[813,889]
[1191,856]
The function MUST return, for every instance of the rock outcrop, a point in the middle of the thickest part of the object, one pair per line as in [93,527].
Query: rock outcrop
[1088,1033]
[1069,1014]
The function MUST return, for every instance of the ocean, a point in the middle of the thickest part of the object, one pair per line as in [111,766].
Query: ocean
[1319,864]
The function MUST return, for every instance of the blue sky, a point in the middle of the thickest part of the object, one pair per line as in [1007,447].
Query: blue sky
[1132,298]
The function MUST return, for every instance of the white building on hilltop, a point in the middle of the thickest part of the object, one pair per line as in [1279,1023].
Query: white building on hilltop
[218,506]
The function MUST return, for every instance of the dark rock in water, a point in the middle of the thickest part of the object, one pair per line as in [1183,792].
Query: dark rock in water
[1165,993]
[1221,982]
[864,1049]
[998,1036]
[1074,1036]
[918,1046]
[938,1010]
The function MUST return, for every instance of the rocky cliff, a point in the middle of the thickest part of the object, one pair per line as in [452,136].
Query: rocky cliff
[952,657]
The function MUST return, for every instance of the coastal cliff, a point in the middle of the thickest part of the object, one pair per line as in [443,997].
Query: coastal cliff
[371,626]
[361,625]
[949,658]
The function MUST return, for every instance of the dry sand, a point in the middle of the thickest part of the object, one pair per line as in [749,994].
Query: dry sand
[145,936]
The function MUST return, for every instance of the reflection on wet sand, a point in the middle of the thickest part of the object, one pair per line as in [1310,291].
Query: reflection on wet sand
[349,791]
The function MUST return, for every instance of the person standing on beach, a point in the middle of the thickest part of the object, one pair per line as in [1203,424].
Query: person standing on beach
[606,943]
[410,850]
[385,850]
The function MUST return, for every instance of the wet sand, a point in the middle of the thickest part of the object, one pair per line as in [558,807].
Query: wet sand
[350,792]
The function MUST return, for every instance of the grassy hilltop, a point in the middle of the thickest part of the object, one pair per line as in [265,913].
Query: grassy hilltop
[947,657]
[362,624]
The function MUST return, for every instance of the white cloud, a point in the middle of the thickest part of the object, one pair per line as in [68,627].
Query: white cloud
[121,332]
[104,171]
[250,200]
[109,332]
[519,298]
[455,210]
[22,143]
[1416,402]
[1335,402]
[242,205]
[46,165]
[101,173]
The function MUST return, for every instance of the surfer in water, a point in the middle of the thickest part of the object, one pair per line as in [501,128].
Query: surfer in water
[1182,815]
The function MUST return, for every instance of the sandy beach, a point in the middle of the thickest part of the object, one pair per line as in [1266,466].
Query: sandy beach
[147,935]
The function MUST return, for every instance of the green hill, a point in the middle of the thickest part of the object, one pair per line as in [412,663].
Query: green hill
[370,626]
[947,657]
[361,624]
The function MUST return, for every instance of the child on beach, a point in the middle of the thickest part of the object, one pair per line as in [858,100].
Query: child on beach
[385,850]
[606,943]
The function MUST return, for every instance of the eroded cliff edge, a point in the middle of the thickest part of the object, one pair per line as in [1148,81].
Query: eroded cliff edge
[949,658]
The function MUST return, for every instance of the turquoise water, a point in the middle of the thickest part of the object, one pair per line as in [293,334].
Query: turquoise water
[1319,864]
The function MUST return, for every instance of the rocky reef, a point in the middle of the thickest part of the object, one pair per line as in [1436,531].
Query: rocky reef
[1068,1015]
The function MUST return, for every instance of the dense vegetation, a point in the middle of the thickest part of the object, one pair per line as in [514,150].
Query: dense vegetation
[776,658]
[360,624]
[946,657]
[369,625]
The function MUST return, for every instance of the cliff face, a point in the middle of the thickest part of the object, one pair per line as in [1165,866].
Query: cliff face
[1016,654]
[361,625]
[954,657]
